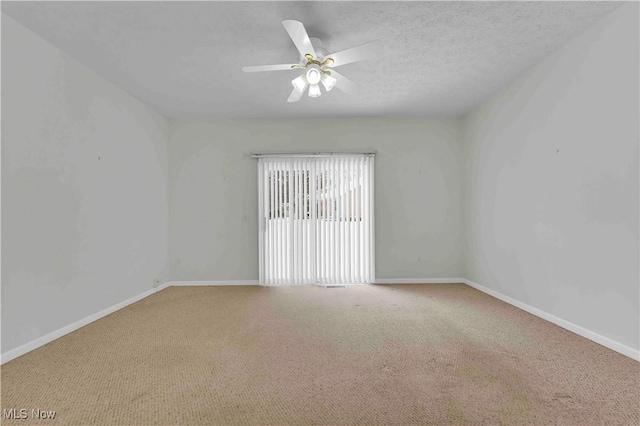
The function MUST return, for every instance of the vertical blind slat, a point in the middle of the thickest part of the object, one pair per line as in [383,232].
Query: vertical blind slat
[354,200]
[349,196]
[344,265]
[276,223]
[313,212]
[320,216]
[325,272]
[339,248]
[270,224]
[367,215]
[280,228]
[359,276]
[306,237]
[370,200]
[261,222]
[297,250]
[267,224]
[334,228]
[324,262]
[290,251]
[276,233]
[305,234]
[334,193]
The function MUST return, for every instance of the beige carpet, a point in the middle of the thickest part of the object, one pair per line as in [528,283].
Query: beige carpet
[418,354]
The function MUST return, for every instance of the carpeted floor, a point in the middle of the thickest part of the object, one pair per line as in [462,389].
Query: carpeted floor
[418,354]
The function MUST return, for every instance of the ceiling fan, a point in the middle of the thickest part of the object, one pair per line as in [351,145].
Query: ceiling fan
[318,63]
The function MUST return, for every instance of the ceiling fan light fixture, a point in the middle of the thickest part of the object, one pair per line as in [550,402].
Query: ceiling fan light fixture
[314,60]
[314,91]
[299,83]
[313,76]
[328,82]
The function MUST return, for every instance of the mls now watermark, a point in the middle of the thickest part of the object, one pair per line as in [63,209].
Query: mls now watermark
[23,413]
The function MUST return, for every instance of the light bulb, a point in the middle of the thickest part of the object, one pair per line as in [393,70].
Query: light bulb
[328,82]
[313,76]
[299,83]
[314,91]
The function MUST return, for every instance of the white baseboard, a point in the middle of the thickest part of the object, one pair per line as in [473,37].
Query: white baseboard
[420,281]
[41,341]
[212,283]
[581,331]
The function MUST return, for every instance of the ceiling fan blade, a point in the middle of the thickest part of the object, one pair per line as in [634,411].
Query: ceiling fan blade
[358,53]
[257,68]
[295,95]
[299,36]
[344,84]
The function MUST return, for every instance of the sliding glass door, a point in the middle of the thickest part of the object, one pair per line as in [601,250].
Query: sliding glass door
[316,219]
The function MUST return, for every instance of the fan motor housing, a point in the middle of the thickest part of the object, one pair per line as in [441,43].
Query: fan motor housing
[320,48]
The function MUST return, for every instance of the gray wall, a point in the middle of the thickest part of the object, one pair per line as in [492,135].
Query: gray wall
[84,190]
[551,185]
[213,226]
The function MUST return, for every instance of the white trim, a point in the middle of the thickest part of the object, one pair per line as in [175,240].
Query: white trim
[47,338]
[420,281]
[581,331]
[212,283]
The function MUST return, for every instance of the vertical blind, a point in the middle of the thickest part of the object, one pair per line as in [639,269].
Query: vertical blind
[316,219]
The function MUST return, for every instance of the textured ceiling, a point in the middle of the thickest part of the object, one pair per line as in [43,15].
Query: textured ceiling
[184,58]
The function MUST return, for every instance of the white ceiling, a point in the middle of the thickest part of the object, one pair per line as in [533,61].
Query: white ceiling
[184,59]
